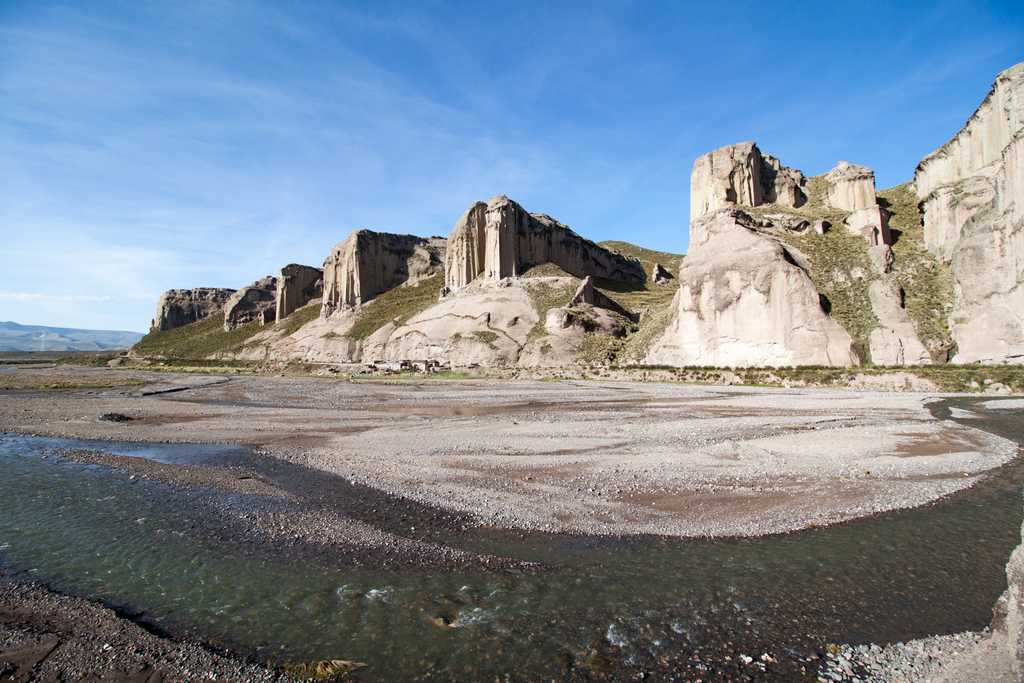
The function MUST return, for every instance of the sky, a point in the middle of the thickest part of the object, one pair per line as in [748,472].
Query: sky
[154,145]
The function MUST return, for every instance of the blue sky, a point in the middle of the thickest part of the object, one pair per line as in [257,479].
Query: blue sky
[150,145]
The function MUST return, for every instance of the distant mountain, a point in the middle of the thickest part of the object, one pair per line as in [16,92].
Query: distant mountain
[15,337]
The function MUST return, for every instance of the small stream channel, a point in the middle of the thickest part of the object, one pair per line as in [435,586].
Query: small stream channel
[690,607]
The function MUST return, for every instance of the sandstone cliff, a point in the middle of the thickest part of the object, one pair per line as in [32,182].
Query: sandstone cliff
[254,303]
[744,300]
[179,307]
[297,285]
[500,239]
[739,175]
[368,263]
[972,193]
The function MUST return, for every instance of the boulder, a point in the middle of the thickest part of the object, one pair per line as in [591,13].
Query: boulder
[500,239]
[745,299]
[972,194]
[660,274]
[369,263]
[739,175]
[297,285]
[179,307]
[255,303]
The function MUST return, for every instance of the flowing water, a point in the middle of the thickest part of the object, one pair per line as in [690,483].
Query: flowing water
[653,604]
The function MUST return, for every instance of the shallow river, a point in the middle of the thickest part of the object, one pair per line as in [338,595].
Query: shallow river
[689,607]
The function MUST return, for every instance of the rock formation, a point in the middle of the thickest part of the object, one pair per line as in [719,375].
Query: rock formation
[972,193]
[894,341]
[254,303]
[369,263]
[745,299]
[767,310]
[179,307]
[660,274]
[852,188]
[739,175]
[297,285]
[500,239]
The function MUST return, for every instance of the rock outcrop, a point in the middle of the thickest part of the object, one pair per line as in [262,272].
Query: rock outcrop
[972,193]
[660,274]
[745,299]
[894,341]
[179,307]
[500,239]
[369,263]
[297,285]
[851,188]
[255,303]
[739,175]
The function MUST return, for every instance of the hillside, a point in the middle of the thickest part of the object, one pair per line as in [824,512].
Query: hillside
[16,337]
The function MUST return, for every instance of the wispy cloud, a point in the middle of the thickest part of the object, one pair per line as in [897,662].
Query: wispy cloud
[50,298]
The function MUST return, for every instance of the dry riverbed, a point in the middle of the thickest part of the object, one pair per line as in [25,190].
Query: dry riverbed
[569,457]
[404,473]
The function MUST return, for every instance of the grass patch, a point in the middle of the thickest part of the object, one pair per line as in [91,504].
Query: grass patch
[298,318]
[487,337]
[27,381]
[197,340]
[927,282]
[94,359]
[546,296]
[652,303]
[952,378]
[545,270]
[396,305]
[837,258]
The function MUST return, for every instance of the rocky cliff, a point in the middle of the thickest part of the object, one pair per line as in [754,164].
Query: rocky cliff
[768,282]
[179,307]
[739,175]
[253,303]
[297,285]
[972,192]
[368,263]
[500,239]
[745,299]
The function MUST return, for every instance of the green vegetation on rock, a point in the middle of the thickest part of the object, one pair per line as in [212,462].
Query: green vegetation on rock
[927,282]
[841,270]
[651,302]
[196,341]
[546,295]
[299,317]
[396,305]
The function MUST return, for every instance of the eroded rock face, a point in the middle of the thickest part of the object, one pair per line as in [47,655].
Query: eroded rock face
[850,187]
[739,175]
[894,341]
[972,193]
[297,285]
[745,300]
[179,307]
[369,263]
[500,239]
[255,303]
